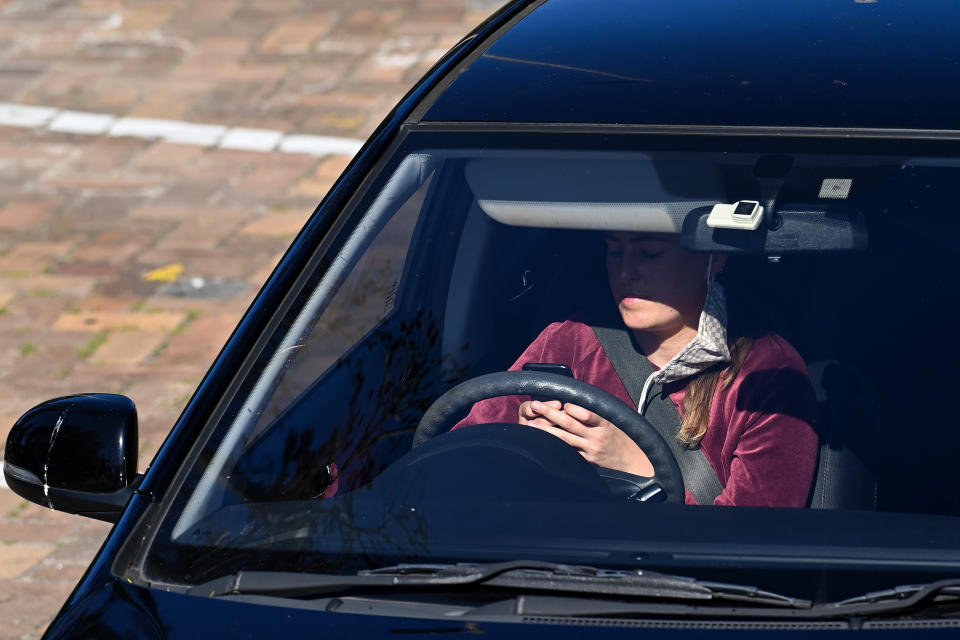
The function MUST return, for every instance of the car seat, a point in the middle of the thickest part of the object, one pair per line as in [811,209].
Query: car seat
[846,418]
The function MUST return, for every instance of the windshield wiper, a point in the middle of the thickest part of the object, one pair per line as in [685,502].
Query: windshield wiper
[517,575]
[900,599]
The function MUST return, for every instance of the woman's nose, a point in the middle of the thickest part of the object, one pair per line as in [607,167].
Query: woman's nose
[631,266]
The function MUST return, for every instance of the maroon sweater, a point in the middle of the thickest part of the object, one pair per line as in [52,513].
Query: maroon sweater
[759,439]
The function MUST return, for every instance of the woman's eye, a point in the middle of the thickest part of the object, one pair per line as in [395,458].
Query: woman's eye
[650,250]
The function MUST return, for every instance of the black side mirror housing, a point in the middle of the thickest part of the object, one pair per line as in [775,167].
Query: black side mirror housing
[76,454]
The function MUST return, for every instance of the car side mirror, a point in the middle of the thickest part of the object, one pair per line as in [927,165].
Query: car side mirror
[76,454]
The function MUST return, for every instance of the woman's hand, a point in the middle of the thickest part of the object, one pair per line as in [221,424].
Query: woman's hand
[597,439]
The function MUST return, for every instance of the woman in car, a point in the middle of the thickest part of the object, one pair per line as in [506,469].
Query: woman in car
[745,401]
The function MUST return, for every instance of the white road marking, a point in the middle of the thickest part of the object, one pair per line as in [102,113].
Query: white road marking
[251,139]
[181,132]
[81,122]
[319,145]
[18,115]
[204,135]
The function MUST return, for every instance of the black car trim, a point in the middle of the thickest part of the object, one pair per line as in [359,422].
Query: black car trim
[694,130]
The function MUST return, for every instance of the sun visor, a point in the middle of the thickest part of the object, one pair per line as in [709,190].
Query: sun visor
[627,194]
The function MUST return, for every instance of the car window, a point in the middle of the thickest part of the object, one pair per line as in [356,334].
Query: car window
[460,259]
[365,297]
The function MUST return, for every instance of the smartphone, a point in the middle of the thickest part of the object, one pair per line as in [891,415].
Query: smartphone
[547,367]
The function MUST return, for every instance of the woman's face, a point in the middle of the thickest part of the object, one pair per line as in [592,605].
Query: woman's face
[658,286]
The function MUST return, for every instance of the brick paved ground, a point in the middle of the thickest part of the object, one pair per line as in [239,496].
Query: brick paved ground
[94,227]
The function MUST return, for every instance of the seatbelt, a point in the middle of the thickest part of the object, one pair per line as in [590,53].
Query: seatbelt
[633,367]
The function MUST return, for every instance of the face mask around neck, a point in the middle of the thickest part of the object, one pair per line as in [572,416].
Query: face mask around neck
[707,348]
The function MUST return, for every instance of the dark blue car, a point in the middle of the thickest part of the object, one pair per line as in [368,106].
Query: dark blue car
[315,485]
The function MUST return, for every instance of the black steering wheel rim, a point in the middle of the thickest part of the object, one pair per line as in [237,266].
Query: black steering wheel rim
[441,415]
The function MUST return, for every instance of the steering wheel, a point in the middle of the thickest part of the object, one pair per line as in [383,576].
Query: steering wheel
[441,416]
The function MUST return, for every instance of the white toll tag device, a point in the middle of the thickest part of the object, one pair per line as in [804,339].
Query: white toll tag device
[745,215]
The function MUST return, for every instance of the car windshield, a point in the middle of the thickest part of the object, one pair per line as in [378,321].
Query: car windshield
[457,255]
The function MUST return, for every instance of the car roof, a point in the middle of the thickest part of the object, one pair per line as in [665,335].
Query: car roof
[884,64]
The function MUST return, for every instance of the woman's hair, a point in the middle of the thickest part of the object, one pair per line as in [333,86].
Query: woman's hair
[748,320]
[700,390]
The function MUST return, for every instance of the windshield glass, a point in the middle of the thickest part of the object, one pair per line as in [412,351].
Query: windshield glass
[781,319]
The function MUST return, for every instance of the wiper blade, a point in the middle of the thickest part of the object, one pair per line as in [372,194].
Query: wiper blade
[897,599]
[518,575]
[548,576]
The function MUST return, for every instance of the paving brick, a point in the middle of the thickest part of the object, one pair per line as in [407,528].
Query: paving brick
[19,529]
[259,277]
[32,257]
[68,573]
[16,559]
[209,12]
[285,224]
[296,38]
[171,103]
[128,347]
[201,341]
[143,19]
[313,186]
[193,213]
[64,85]
[99,182]
[203,233]
[219,264]
[168,155]
[323,177]
[25,617]
[112,247]
[161,400]
[311,79]
[44,355]
[93,212]
[200,191]
[26,214]
[28,311]
[369,20]
[55,284]
[338,123]
[97,301]
[105,153]
[349,97]
[435,23]
[277,7]
[75,550]
[100,321]
[270,178]
[332,166]
[224,163]
[10,503]
[166,211]
[339,46]
[108,96]
[219,48]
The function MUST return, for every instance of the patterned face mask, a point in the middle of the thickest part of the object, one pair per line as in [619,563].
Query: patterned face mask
[706,349]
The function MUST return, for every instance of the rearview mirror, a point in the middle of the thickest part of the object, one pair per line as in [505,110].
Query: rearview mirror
[76,454]
[797,228]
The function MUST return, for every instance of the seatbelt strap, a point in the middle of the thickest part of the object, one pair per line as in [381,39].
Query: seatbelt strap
[633,367]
